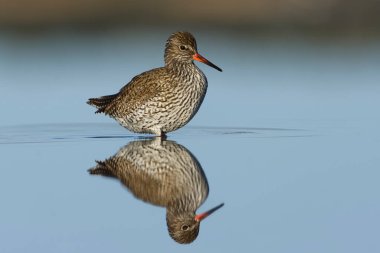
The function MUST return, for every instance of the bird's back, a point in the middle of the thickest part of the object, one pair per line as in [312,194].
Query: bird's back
[133,95]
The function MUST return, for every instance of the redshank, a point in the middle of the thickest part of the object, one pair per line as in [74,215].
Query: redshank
[164,99]
[162,173]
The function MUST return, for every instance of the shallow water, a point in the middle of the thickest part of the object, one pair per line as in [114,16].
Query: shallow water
[287,137]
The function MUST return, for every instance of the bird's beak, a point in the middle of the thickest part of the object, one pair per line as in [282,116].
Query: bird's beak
[201,216]
[200,58]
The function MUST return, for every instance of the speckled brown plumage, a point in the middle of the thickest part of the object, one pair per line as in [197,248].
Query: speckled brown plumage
[163,99]
[162,173]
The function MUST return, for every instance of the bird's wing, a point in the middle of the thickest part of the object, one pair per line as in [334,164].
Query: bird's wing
[137,92]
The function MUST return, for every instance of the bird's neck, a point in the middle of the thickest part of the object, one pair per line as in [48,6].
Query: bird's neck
[186,71]
[180,66]
[186,204]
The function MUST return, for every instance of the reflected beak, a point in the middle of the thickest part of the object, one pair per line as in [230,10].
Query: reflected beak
[201,216]
[200,58]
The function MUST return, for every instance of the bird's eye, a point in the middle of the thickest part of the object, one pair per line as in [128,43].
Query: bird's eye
[182,47]
[185,227]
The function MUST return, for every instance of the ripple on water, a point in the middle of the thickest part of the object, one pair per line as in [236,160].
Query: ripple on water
[46,133]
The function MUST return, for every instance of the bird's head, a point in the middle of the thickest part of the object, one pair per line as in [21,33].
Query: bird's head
[184,227]
[181,47]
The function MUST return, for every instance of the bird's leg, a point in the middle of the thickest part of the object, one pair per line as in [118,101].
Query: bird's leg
[163,136]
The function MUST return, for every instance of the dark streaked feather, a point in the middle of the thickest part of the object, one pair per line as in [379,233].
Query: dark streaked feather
[102,102]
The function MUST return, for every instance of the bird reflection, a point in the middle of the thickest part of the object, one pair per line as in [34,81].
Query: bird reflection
[163,173]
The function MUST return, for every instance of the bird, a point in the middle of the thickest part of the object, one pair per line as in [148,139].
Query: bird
[163,99]
[162,173]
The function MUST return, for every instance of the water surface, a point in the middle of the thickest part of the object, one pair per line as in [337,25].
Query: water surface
[287,136]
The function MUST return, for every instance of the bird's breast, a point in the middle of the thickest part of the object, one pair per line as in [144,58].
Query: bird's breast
[184,100]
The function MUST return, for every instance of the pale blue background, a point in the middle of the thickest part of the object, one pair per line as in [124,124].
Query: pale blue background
[288,137]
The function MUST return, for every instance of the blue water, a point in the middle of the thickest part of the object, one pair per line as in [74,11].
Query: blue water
[288,137]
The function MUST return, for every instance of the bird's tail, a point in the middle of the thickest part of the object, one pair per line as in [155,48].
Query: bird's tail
[102,169]
[102,102]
